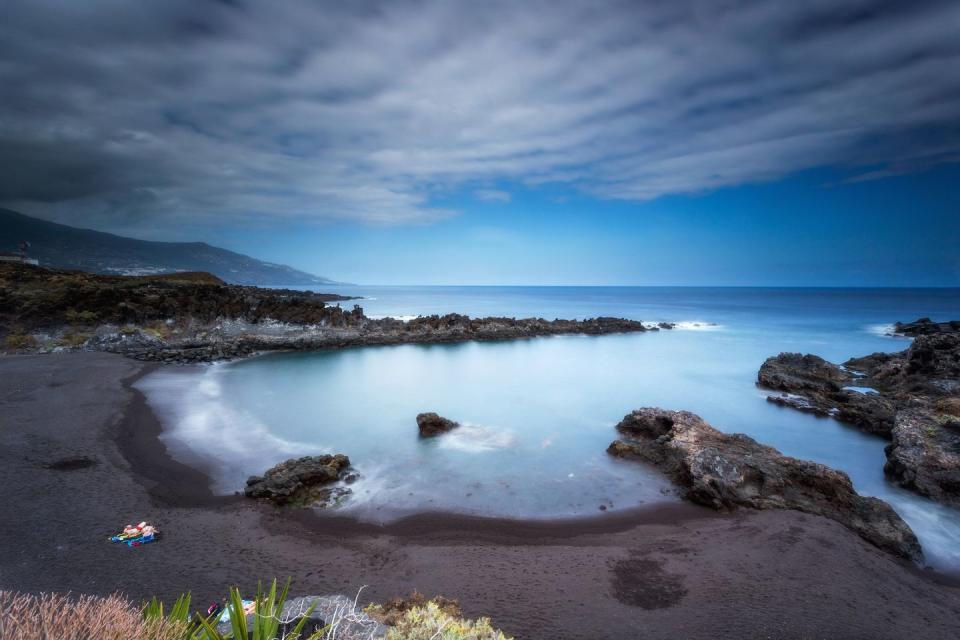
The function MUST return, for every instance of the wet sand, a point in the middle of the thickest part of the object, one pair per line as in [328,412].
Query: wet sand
[668,572]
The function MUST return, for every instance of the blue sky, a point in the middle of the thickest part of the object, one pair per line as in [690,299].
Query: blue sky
[806,230]
[539,142]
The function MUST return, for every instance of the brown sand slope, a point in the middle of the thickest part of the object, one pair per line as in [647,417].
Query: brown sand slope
[678,572]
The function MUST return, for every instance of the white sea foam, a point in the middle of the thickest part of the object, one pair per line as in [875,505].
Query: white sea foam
[697,325]
[884,331]
[477,439]
[864,390]
[401,318]
[199,423]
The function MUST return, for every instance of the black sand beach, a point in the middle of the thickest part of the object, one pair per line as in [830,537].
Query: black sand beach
[79,456]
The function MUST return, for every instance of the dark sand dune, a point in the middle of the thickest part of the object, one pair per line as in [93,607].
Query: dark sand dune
[79,456]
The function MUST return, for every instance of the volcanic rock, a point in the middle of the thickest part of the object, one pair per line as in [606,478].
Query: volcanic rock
[430,424]
[926,326]
[302,481]
[726,471]
[925,453]
[917,404]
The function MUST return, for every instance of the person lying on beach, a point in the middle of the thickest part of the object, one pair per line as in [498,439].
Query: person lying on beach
[129,532]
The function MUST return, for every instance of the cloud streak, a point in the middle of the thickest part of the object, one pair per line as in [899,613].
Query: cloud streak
[123,116]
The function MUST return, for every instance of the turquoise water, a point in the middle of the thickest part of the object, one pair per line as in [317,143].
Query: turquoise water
[538,414]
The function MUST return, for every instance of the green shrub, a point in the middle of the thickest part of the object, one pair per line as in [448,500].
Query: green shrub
[19,340]
[81,317]
[431,623]
[266,618]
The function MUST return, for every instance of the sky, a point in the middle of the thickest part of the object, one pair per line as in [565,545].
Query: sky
[446,142]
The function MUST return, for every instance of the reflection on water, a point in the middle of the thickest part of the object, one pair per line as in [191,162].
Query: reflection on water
[537,414]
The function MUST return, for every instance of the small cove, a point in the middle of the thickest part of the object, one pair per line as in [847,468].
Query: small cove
[538,414]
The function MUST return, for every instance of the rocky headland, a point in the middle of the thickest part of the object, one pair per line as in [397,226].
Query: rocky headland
[726,471]
[195,317]
[925,326]
[911,398]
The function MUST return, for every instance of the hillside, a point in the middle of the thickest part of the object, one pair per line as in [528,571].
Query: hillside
[65,247]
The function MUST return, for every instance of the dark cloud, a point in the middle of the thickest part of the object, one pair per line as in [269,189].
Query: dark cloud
[366,111]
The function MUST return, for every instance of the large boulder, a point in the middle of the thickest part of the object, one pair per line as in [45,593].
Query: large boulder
[925,452]
[798,373]
[303,481]
[431,424]
[726,471]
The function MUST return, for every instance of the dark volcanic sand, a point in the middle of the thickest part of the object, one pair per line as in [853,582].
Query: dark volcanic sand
[79,457]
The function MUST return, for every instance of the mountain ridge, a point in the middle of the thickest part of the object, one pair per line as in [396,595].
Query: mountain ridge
[67,247]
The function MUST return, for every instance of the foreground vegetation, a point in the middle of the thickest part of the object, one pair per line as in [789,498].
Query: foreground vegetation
[62,617]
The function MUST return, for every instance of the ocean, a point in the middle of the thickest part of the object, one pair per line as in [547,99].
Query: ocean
[538,414]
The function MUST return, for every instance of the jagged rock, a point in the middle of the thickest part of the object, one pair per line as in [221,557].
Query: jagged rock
[430,424]
[811,384]
[725,471]
[925,453]
[917,405]
[303,481]
[926,326]
[798,373]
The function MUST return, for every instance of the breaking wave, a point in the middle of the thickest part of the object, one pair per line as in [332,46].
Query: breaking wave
[200,423]
[477,439]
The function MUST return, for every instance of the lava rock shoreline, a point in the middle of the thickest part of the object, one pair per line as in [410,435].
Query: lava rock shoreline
[727,471]
[195,317]
[911,398]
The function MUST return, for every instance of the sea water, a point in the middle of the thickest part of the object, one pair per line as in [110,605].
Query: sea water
[538,414]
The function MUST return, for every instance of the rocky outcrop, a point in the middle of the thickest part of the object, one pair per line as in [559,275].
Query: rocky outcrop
[303,481]
[924,454]
[925,327]
[431,424]
[38,298]
[811,384]
[915,403]
[726,471]
[798,373]
[174,320]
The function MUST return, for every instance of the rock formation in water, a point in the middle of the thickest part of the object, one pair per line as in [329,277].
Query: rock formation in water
[811,384]
[911,398]
[726,471]
[926,326]
[303,481]
[430,424]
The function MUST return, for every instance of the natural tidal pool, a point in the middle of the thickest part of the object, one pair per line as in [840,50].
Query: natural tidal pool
[537,414]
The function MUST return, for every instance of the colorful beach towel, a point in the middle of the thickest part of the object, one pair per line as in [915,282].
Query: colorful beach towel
[136,542]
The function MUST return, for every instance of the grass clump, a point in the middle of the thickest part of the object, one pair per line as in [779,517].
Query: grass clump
[429,622]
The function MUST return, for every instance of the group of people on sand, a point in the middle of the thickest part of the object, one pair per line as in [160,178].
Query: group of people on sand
[136,535]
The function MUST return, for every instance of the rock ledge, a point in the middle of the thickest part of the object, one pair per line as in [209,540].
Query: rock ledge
[726,471]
